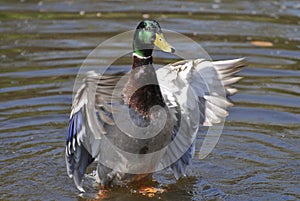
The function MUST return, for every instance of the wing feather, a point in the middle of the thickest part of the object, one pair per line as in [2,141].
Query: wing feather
[91,112]
[206,80]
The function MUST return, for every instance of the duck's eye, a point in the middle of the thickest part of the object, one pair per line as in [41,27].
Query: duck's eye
[160,39]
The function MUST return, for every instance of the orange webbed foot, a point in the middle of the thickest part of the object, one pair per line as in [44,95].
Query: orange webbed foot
[150,191]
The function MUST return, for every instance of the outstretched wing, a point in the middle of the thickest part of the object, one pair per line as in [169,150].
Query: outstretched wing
[196,87]
[91,112]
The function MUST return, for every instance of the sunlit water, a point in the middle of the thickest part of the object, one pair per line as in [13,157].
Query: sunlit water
[43,44]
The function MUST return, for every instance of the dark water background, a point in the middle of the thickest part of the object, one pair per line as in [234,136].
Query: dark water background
[43,44]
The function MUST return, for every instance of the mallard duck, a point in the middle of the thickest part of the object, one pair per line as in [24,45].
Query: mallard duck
[137,123]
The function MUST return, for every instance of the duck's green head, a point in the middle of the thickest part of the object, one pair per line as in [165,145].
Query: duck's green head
[147,35]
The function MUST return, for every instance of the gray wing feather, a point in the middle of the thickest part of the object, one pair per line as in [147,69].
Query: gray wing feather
[206,80]
[91,111]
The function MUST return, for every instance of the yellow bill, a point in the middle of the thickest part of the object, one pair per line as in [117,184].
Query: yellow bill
[162,44]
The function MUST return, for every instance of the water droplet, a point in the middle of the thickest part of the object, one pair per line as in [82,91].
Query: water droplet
[82,12]
[146,16]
